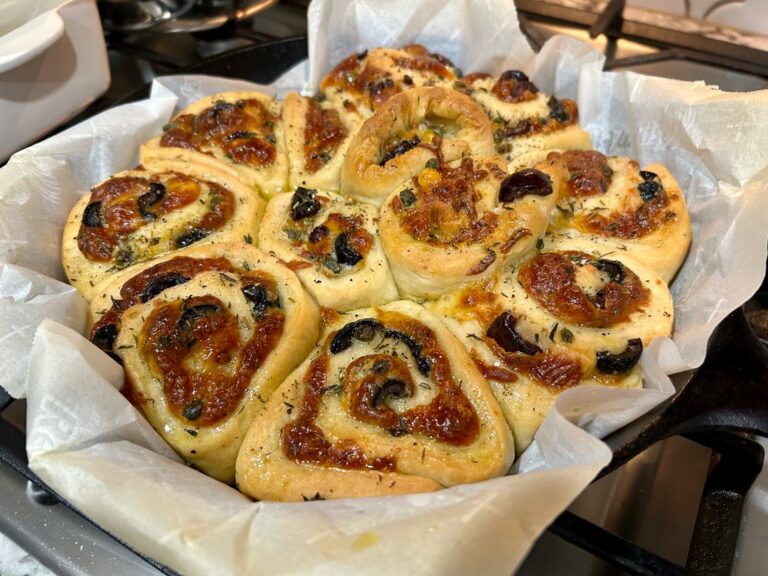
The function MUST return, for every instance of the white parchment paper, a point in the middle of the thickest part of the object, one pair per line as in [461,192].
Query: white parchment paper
[88,443]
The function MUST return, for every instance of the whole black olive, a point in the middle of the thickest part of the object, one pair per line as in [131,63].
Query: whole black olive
[191,236]
[304,203]
[650,186]
[613,268]
[608,363]
[363,330]
[160,283]
[345,253]
[391,388]
[525,182]
[104,337]
[149,199]
[92,215]
[502,329]
[518,75]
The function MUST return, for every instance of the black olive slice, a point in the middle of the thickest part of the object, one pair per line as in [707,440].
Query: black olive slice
[191,236]
[92,215]
[304,203]
[421,363]
[502,329]
[650,186]
[407,197]
[345,253]
[257,295]
[160,283]
[613,268]
[363,330]
[391,388]
[149,199]
[400,148]
[525,182]
[104,337]
[193,410]
[193,313]
[318,233]
[608,363]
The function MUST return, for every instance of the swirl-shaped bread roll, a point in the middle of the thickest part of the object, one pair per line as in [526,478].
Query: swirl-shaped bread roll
[205,335]
[317,135]
[363,82]
[388,403]
[408,131]
[140,214]
[610,199]
[238,132]
[570,315]
[332,244]
[523,118]
[460,222]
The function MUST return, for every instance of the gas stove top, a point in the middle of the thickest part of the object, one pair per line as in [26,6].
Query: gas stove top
[651,500]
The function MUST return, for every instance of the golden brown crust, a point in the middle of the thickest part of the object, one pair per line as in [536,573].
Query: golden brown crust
[358,453]
[429,111]
[247,145]
[157,234]
[646,217]
[278,332]
[548,353]
[450,226]
[309,245]
[317,135]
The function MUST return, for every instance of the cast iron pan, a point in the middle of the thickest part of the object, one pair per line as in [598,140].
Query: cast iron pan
[717,405]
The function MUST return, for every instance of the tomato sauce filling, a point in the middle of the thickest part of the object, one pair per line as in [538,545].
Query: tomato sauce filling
[649,217]
[549,369]
[323,134]
[148,284]
[551,279]
[122,205]
[366,386]
[196,347]
[245,131]
[444,209]
[588,171]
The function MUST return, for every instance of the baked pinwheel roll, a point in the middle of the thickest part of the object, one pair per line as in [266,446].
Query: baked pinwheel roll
[460,222]
[238,132]
[611,199]
[523,118]
[388,403]
[317,135]
[409,130]
[332,244]
[570,315]
[205,335]
[140,214]
[361,83]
